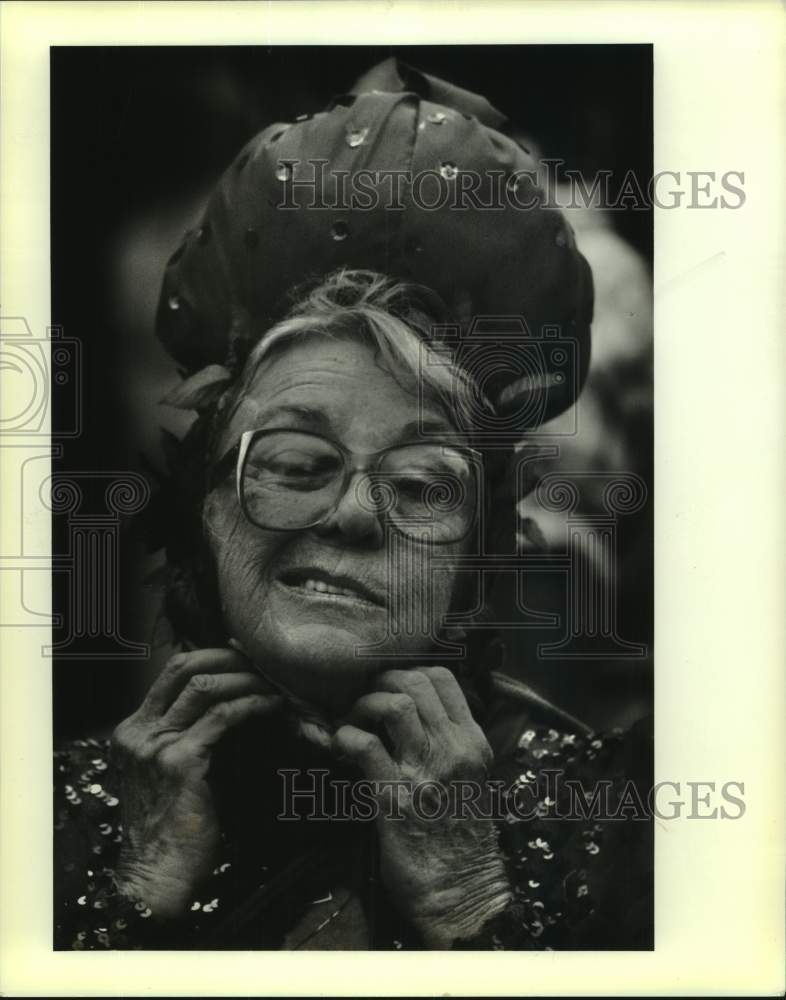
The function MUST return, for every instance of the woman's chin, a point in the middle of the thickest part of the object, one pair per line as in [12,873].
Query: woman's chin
[321,664]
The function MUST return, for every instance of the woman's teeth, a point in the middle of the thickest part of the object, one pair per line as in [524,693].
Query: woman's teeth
[326,588]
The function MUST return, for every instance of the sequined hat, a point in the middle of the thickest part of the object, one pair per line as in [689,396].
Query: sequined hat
[412,177]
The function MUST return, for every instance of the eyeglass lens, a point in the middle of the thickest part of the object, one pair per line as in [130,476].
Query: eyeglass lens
[293,480]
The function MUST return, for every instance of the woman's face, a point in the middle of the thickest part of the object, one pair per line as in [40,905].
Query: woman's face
[275,586]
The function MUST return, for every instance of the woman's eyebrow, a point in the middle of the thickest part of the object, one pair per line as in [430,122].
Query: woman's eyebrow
[304,414]
[421,428]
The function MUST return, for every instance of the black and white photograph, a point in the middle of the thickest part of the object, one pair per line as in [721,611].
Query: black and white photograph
[388,564]
[368,338]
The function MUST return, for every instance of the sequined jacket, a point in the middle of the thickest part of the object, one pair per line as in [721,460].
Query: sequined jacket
[573,828]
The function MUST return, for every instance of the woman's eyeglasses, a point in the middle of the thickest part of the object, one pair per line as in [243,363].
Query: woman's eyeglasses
[289,480]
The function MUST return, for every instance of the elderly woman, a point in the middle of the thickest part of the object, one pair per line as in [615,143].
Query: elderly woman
[332,759]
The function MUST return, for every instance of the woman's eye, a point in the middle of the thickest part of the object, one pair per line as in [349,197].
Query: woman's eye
[298,467]
[413,486]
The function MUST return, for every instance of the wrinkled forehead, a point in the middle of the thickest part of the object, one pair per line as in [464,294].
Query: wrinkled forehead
[340,386]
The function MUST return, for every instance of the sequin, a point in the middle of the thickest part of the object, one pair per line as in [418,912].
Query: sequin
[340,231]
[196,906]
[526,738]
[449,171]
[552,735]
[82,901]
[596,744]
[548,856]
[582,890]
[533,884]
[147,912]
[284,171]
[112,801]
[356,136]
[437,118]
[121,924]
[397,945]
[105,829]
[173,302]
[591,848]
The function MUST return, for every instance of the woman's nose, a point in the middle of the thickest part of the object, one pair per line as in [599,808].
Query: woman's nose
[354,518]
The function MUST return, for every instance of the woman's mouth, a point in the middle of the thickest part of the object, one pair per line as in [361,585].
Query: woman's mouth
[319,585]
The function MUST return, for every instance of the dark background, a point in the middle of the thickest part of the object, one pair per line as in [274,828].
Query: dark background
[136,131]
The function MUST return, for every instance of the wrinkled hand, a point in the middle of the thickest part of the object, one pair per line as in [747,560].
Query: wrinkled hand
[163,753]
[447,874]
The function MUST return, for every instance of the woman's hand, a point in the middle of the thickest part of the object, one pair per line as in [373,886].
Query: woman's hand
[163,753]
[446,874]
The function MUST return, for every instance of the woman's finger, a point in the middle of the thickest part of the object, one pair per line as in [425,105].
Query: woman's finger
[180,668]
[417,685]
[450,694]
[219,719]
[203,690]
[366,752]
[397,714]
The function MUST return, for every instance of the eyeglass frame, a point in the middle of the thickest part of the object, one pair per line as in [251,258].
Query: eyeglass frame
[247,438]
